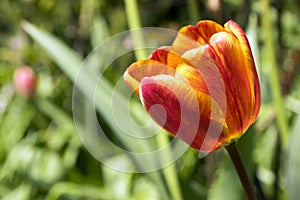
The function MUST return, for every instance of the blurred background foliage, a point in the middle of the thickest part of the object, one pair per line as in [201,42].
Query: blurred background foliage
[41,155]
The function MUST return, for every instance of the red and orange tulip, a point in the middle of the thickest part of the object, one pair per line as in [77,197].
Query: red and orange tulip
[208,66]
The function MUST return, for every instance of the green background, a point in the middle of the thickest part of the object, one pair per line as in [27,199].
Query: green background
[41,155]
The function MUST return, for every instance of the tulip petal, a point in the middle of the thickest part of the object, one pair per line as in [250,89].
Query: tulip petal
[161,61]
[188,113]
[190,37]
[245,46]
[203,74]
[166,55]
[193,76]
[237,79]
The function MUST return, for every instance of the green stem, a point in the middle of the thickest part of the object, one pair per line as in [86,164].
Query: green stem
[274,76]
[240,168]
[169,171]
[134,22]
[193,11]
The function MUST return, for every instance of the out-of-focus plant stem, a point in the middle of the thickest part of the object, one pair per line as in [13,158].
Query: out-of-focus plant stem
[169,171]
[193,11]
[274,76]
[134,22]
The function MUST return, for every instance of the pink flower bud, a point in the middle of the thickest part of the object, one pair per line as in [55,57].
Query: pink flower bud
[25,81]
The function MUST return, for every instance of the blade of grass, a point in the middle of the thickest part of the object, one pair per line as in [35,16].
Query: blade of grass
[68,61]
[292,162]
[169,171]
[10,131]
[193,11]
[134,22]
[78,190]
[274,76]
[22,192]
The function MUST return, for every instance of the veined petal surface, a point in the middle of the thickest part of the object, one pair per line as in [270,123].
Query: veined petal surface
[188,112]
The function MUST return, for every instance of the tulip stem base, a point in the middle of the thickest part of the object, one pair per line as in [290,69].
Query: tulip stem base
[241,170]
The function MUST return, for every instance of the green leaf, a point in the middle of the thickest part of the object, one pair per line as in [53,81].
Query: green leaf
[226,186]
[22,192]
[99,30]
[116,182]
[143,189]
[293,162]
[68,60]
[46,167]
[20,111]
[38,164]
[75,191]
[266,143]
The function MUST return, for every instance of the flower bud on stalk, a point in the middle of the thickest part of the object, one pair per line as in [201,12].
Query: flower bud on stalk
[25,81]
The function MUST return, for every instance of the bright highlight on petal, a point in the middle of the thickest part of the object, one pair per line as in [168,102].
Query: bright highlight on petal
[203,89]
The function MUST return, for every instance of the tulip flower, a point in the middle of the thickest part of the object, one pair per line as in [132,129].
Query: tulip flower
[205,84]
